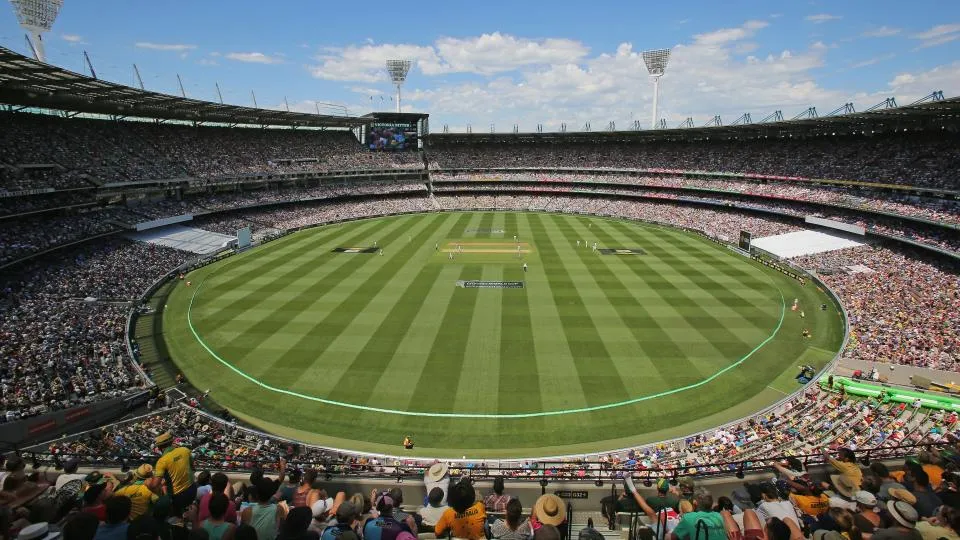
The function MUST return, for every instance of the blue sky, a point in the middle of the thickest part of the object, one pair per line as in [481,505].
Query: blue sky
[520,62]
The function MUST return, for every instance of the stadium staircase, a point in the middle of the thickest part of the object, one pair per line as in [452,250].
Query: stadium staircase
[435,202]
[148,333]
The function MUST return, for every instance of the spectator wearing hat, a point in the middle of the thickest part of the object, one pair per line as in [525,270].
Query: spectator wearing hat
[466,516]
[927,501]
[436,476]
[175,467]
[69,474]
[844,492]
[385,526]
[866,518]
[663,498]
[549,510]
[902,525]
[141,493]
[115,526]
[38,531]
[514,526]
[667,517]
[321,513]
[432,511]
[497,501]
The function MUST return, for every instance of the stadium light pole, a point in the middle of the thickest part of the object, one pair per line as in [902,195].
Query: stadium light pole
[398,70]
[36,17]
[656,61]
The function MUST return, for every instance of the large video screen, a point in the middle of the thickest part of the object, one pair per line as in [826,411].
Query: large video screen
[392,136]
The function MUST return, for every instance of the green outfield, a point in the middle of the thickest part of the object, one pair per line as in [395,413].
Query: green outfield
[443,336]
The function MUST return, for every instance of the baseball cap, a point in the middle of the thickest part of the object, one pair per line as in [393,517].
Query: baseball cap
[663,484]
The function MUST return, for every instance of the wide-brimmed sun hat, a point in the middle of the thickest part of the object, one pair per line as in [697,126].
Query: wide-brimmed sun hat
[436,472]
[550,510]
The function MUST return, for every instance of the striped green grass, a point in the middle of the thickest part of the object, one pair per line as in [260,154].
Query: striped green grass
[273,331]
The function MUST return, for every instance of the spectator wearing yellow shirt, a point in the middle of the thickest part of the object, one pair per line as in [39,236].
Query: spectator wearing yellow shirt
[846,464]
[466,515]
[140,491]
[175,467]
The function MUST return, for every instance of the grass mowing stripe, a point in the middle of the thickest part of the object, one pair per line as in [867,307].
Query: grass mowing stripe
[556,365]
[267,262]
[249,333]
[517,343]
[371,362]
[436,389]
[713,328]
[481,358]
[608,302]
[397,382]
[285,280]
[597,373]
[318,338]
[661,351]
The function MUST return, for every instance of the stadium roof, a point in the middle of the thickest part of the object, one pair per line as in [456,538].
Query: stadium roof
[939,113]
[30,83]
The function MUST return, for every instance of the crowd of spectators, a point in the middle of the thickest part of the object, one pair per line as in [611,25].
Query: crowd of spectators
[929,208]
[941,237]
[901,158]
[902,305]
[40,151]
[62,325]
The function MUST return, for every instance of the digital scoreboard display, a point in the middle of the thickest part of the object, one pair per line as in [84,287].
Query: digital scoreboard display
[745,238]
[392,136]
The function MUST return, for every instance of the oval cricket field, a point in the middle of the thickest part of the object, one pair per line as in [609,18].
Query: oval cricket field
[494,334]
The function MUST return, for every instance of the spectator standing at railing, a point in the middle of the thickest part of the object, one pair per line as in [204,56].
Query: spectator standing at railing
[663,498]
[846,464]
[175,467]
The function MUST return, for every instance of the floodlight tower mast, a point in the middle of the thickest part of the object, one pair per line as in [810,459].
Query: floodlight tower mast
[656,61]
[398,70]
[36,17]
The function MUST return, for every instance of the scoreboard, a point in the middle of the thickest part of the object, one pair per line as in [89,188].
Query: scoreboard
[745,238]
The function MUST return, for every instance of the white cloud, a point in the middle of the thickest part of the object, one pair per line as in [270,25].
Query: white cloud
[253,57]
[487,54]
[909,87]
[938,35]
[366,63]
[706,76]
[178,47]
[207,62]
[881,32]
[821,18]
[872,61]
[496,53]
[727,35]
[72,38]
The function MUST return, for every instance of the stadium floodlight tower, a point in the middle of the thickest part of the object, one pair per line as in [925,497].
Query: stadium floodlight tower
[36,17]
[398,70]
[656,61]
